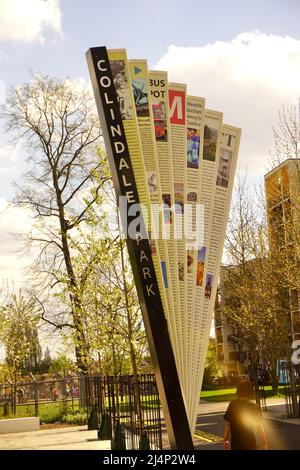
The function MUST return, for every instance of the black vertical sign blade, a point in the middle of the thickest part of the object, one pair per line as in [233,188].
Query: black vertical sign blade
[140,254]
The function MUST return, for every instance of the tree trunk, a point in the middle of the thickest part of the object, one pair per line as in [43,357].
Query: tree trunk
[115,369]
[81,346]
[131,345]
[274,373]
[137,393]
[275,383]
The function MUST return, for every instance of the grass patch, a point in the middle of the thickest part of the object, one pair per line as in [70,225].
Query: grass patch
[228,394]
[63,412]
[52,412]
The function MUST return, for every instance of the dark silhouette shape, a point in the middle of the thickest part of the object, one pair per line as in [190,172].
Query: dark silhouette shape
[243,418]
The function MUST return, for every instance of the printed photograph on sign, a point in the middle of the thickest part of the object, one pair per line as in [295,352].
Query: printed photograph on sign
[179,200]
[152,244]
[192,196]
[208,285]
[160,121]
[200,266]
[210,143]
[164,271]
[139,88]
[193,147]
[180,271]
[190,261]
[122,88]
[166,200]
[152,183]
[224,168]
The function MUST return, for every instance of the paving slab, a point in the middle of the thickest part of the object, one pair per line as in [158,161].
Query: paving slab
[70,438]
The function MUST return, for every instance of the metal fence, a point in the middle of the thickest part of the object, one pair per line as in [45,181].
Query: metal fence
[260,378]
[289,377]
[30,398]
[130,405]
[121,403]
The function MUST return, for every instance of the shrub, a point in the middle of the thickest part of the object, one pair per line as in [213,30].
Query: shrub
[77,418]
[104,432]
[118,442]
[144,442]
[93,419]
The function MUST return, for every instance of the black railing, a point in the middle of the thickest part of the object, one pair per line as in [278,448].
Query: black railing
[289,377]
[128,404]
[35,397]
[260,378]
[110,402]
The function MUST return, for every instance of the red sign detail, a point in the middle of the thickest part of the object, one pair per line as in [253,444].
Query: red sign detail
[177,106]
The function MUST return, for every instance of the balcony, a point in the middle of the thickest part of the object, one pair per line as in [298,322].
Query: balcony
[231,338]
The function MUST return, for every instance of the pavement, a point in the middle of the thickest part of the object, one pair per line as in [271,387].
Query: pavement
[282,433]
[69,438]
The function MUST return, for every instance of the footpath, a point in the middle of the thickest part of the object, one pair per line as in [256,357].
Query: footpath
[282,433]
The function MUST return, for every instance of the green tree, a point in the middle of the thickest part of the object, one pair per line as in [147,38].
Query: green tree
[212,365]
[61,365]
[45,362]
[21,320]
[112,322]
[20,317]
[32,361]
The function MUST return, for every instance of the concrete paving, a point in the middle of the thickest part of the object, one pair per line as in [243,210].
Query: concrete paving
[70,438]
[282,433]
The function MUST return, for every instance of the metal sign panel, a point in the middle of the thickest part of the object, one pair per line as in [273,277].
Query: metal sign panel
[139,249]
[175,157]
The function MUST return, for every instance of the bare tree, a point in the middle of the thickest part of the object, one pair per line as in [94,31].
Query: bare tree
[287,135]
[283,194]
[254,287]
[56,122]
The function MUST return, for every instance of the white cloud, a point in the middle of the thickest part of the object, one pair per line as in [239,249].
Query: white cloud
[248,78]
[10,161]
[2,91]
[14,221]
[10,152]
[28,20]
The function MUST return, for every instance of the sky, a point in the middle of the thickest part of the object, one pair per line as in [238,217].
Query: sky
[243,57]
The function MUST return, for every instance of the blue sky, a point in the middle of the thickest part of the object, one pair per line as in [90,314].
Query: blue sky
[145,28]
[243,57]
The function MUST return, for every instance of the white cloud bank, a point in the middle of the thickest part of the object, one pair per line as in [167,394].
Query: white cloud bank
[248,79]
[10,152]
[27,20]
[14,221]
[2,91]
[9,161]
